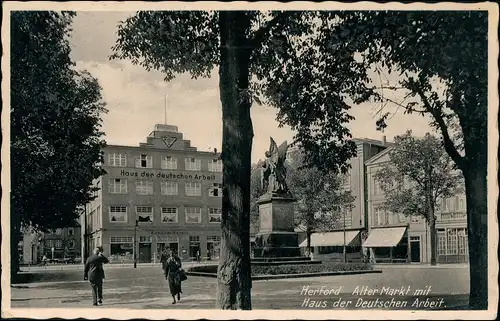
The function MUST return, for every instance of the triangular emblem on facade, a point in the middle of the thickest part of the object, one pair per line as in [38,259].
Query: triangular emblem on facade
[169,141]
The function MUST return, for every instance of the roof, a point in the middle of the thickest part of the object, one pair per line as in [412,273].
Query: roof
[371,141]
[376,157]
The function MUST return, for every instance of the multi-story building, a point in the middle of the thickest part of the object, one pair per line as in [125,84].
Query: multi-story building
[330,245]
[58,245]
[394,237]
[161,194]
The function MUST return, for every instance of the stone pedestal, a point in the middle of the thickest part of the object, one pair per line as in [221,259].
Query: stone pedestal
[276,237]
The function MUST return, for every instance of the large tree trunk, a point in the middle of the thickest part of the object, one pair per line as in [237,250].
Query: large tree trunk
[477,223]
[432,227]
[234,272]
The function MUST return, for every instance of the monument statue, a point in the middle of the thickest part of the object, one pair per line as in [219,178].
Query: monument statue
[273,171]
[276,238]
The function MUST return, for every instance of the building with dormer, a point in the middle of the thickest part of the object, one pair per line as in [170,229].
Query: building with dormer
[395,238]
[163,193]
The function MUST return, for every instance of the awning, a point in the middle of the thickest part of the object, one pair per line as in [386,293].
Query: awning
[331,238]
[384,237]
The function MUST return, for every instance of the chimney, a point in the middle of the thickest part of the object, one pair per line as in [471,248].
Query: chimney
[384,141]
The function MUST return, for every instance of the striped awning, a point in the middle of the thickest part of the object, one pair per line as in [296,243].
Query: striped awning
[385,237]
[331,238]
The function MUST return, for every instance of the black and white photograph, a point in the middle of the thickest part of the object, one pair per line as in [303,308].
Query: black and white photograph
[300,160]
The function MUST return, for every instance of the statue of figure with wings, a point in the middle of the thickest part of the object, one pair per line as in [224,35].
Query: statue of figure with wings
[273,176]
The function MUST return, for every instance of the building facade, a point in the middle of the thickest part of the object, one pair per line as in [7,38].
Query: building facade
[161,194]
[393,237]
[59,245]
[330,245]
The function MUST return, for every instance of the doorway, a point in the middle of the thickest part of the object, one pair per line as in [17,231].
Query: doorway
[415,249]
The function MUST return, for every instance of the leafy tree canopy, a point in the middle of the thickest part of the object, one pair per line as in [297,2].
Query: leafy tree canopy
[290,68]
[418,169]
[55,123]
[320,197]
[440,60]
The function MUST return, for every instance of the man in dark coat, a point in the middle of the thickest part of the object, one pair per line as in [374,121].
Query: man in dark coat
[94,272]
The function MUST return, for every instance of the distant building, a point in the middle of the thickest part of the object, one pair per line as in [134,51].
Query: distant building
[58,245]
[395,238]
[173,192]
[330,245]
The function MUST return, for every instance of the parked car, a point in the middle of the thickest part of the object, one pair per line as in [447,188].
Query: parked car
[68,260]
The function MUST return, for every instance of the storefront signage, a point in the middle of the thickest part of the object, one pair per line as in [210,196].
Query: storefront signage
[168,175]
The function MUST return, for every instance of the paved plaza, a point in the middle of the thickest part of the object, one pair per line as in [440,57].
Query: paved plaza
[145,288]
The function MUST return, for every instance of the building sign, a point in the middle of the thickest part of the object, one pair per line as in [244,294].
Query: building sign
[168,141]
[168,175]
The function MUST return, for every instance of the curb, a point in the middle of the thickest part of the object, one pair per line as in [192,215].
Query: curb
[289,276]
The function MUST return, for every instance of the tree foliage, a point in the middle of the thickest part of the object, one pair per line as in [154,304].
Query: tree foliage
[440,60]
[290,69]
[263,57]
[417,166]
[320,197]
[55,125]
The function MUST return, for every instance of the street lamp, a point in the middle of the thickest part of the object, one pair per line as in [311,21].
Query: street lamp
[135,243]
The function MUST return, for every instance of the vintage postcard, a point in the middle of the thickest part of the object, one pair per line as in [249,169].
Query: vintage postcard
[249,160]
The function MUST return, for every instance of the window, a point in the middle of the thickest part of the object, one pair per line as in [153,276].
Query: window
[169,215]
[169,188]
[461,204]
[377,190]
[381,217]
[214,215]
[144,214]
[216,190]
[120,239]
[143,187]
[415,219]
[192,164]
[145,239]
[168,162]
[144,161]
[193,214]
[117,186]
[193,189]
[452,241]
[59,244]
[215,165]
[71,231]
[121,247]
[441,242]
[99,217]
[49,243]
[71,244]
[59,231]
[194,245]
[118,214]
[117,160]
[462,242]
[213,246]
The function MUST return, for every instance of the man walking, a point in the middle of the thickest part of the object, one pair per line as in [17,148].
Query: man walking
[94,272]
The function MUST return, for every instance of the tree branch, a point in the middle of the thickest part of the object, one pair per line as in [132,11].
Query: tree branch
[448,143]
[262,32]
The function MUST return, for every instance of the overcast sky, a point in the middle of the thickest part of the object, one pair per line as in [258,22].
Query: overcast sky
[136,98]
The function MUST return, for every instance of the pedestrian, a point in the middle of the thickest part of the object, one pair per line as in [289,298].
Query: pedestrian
[94,272]
[163,258]
[172,273]
[44,260]
[198,256]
